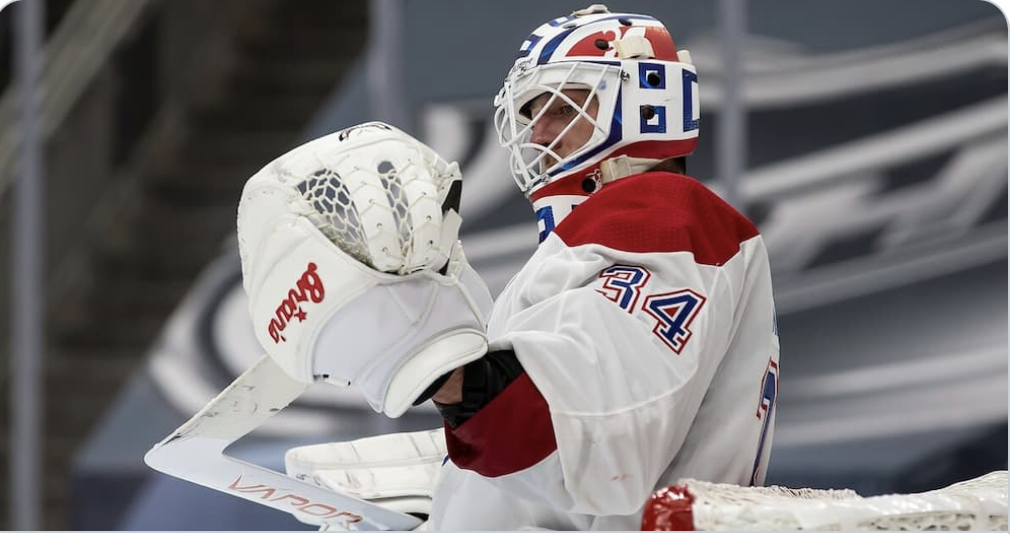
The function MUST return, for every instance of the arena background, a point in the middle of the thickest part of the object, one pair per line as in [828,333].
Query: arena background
[872,155]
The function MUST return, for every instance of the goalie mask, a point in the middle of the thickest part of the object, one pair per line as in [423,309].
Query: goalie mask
[624,87]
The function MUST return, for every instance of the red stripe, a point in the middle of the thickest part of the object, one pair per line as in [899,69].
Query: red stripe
[659,212]
[513,432]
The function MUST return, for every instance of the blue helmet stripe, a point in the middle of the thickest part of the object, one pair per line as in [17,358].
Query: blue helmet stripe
[552,45]
[533,39]
[560,20]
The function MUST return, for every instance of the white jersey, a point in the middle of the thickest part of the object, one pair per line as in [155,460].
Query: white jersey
[645,326]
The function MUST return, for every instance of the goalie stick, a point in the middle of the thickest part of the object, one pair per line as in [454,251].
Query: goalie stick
[195,452]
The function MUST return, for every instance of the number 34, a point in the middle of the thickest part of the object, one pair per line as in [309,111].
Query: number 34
[673,311]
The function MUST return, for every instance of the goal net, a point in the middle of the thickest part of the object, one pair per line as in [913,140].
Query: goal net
[976,504]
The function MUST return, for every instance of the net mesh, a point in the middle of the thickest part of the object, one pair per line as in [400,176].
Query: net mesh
[977,504]
[334,212]
[369,213]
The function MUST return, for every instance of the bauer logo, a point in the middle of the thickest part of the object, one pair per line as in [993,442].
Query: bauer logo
[308,287]
[294,502]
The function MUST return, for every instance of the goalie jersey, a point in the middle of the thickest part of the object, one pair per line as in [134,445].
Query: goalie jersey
[645,326]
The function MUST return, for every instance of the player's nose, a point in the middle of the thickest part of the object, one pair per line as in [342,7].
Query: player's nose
[543,133]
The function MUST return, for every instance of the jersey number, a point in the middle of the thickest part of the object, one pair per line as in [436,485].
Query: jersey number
[623,285]
[545,217]
[766,404]
[673,312]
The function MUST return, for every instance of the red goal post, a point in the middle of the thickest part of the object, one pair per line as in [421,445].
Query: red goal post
[976,504]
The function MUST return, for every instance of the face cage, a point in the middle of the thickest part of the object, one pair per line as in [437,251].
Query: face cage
[528,160]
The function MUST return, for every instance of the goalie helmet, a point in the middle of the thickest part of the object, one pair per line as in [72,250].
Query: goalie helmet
[645,93]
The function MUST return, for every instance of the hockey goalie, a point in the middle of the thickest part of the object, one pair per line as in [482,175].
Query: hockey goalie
[573,413]
[636,348]
[356,276]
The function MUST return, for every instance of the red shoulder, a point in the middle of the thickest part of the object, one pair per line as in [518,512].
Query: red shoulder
[659,212]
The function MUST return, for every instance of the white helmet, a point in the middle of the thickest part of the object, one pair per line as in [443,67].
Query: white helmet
[645,90]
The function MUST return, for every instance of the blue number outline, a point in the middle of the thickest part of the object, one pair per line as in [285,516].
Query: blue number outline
[673,329]
[625,283]
[766,405]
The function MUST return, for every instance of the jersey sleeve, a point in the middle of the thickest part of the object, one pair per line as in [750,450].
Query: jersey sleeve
[620,322]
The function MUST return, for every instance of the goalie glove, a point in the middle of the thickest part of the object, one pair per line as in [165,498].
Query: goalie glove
[353,267]
[397,471]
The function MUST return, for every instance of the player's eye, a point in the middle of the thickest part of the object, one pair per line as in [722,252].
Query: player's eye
[563,111]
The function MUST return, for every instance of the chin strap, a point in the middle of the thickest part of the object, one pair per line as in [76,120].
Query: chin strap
[621,166]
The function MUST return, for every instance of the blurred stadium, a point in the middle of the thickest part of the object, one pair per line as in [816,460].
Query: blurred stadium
[868,141]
